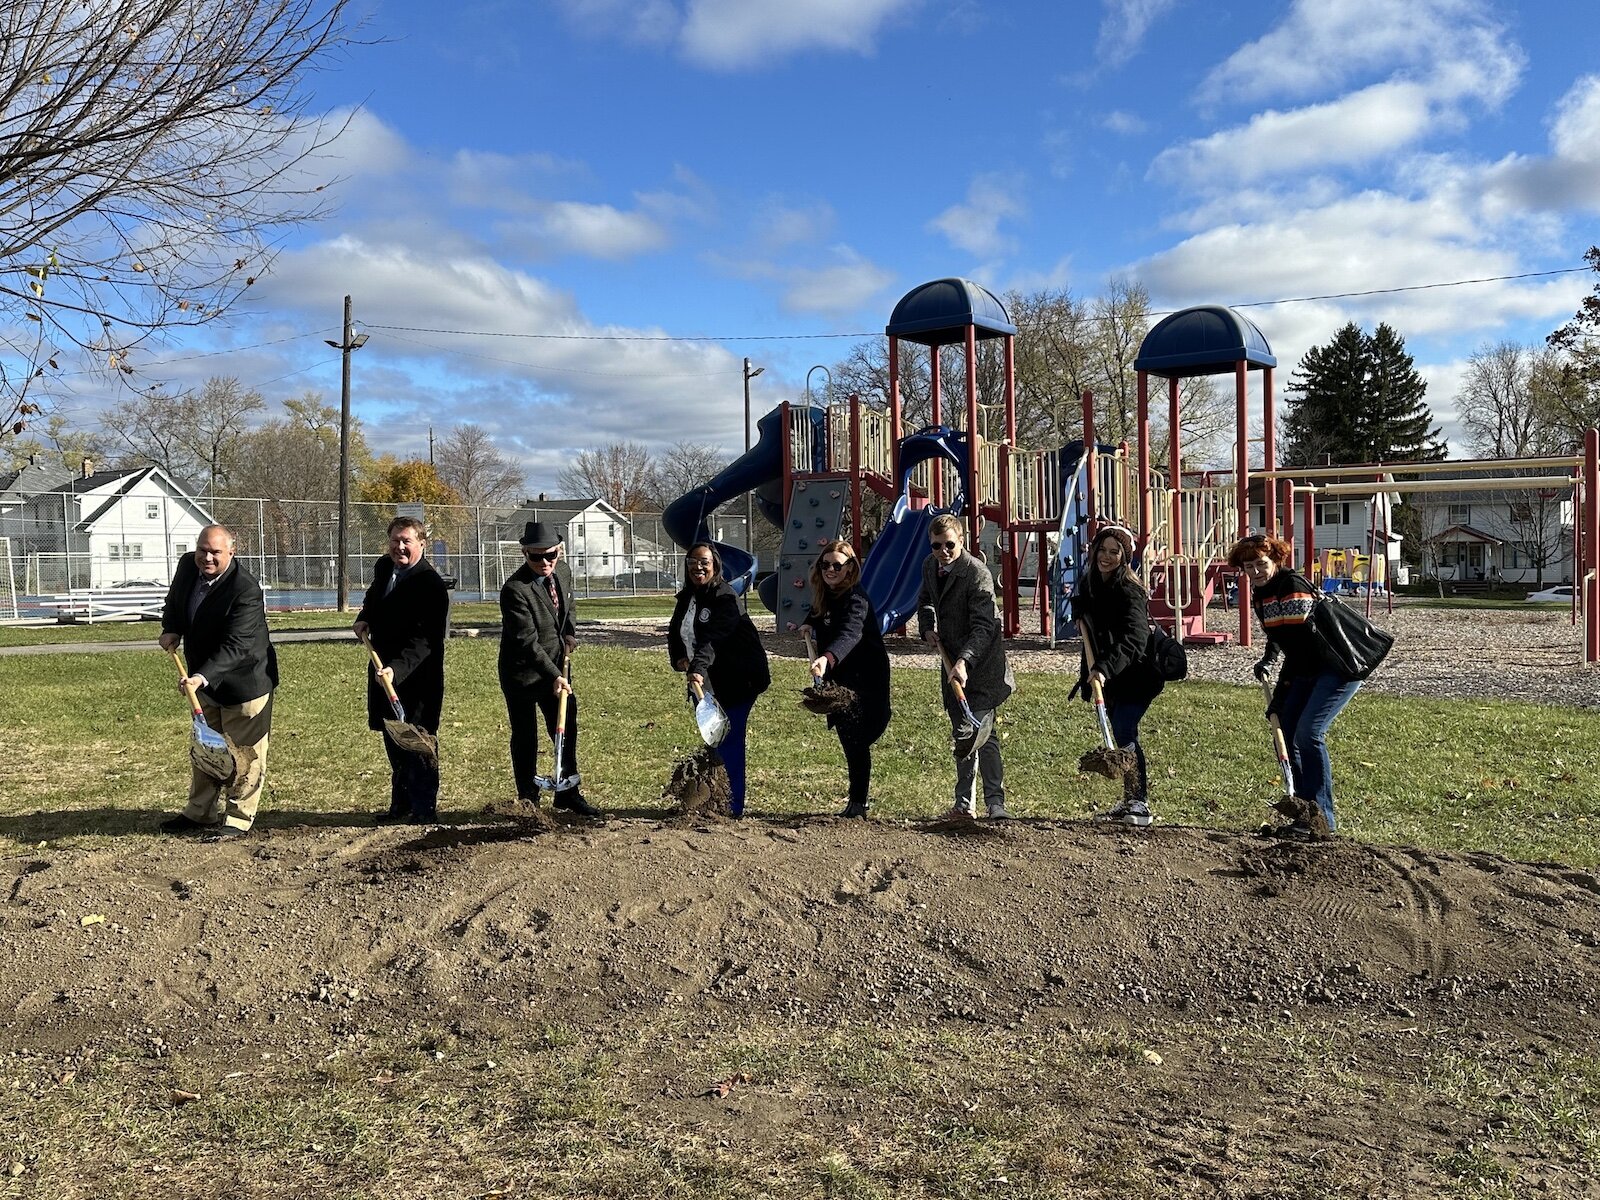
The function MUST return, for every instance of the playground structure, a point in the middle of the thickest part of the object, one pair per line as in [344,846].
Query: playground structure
[813,465]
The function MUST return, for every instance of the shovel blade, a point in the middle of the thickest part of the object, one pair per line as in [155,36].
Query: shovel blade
[713,722]
[210,752]
[413,738]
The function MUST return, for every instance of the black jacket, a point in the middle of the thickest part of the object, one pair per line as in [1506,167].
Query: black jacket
[968,628]
[849,633]
[407,628]
[227,641]
[1118,615]
[531,631]
[726,648]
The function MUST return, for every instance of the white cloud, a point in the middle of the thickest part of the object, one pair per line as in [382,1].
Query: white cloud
[835,288]
[1358,128]
[1125,123]
[1320,46]
[1575,132]
[780,225]
[740,34]
[1124,25]
[974,226]
[597,230]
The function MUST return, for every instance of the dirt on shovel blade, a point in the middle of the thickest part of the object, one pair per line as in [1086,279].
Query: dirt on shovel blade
[699,785]
[1113,764]
[413,738]
[827,698]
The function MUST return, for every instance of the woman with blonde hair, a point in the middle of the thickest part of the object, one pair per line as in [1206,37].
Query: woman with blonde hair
[850,653]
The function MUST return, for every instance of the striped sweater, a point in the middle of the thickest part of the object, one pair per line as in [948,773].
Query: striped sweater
[1283,606]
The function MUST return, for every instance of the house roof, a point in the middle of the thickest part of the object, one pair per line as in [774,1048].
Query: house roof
[32,480]
[1468,533]
[126,481]
[560,511]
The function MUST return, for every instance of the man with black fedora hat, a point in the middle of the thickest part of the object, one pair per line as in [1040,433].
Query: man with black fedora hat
[537,632]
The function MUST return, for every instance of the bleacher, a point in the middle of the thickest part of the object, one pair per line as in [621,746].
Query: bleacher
[89,606]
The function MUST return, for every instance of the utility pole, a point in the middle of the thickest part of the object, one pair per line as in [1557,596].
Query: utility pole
[351,342]
[749,497]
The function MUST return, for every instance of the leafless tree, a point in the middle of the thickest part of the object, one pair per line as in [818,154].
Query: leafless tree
[193,437]
[618,473]
[151,151]
[681,469]
[468,462]
[1498,404]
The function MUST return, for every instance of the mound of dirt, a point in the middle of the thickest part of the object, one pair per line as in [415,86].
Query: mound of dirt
[699,785]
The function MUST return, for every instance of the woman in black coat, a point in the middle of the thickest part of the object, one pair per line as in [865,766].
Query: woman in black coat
[717,646]
[850,653]
[1114,610]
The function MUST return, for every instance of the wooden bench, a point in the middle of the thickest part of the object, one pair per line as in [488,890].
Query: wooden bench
[87,606]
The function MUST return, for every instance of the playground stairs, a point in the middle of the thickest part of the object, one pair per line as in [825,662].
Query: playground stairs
[815,515]
[1194,589]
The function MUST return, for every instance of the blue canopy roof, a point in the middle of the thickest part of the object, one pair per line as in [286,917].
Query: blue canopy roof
[1206,340]
[939,313]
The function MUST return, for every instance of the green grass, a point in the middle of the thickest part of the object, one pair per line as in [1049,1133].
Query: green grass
[1450,774]
[462,614]
[1485,602]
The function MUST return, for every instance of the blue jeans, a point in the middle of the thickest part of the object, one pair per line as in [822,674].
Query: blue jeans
[1125,716]
[732,752]
[1310,703]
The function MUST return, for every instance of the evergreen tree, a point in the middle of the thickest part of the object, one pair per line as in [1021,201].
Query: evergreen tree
[1358,399]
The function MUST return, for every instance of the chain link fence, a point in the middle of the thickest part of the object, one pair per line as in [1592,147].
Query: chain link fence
[60,543]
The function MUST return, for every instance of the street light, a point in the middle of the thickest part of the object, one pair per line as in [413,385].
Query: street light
[352,342]
[749,497]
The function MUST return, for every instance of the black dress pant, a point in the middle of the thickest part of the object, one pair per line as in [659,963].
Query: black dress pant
[528,707]
[413,783]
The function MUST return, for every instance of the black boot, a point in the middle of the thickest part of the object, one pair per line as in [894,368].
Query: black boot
[855,810]
[573,802]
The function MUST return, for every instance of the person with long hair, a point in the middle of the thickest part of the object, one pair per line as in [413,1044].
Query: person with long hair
[1310,691]
[850,653]
[1113,610]
[718,648]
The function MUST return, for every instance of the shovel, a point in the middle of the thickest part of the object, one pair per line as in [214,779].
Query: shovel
[1110,759]
[1289,798]
[556,782]
[927,614]
[208,749]
[709,716]
[403,733]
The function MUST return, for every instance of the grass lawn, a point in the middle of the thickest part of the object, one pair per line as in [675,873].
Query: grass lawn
[91,733]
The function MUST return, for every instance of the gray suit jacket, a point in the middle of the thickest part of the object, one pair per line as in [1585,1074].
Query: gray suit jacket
[968,627]
[531,630]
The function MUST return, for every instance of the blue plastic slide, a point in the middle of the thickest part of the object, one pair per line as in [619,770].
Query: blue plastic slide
[760,467]
[892,572]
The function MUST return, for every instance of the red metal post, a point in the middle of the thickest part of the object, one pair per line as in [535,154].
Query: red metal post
[974,457]
[1591,539]
[894,410]
[1091,459]
[1311,537]
[1269,453]
[1011,625]
[935,417]
[1146,501]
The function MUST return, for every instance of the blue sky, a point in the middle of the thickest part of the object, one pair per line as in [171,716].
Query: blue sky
[765,173]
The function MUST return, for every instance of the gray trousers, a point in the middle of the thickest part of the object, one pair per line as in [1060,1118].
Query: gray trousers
[977,755]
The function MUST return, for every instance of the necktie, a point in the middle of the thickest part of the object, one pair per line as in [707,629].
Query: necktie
[555,599]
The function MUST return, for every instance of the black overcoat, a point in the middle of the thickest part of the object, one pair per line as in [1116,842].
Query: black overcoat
[408,628]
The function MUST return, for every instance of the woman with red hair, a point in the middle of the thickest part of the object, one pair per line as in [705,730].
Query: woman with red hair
[1311,691]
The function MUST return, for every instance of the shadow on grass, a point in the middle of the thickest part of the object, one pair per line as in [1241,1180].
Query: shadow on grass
[123,822]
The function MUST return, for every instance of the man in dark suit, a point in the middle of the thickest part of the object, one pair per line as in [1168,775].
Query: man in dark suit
[958,592]
[537,632]
[215,609]
[405,614]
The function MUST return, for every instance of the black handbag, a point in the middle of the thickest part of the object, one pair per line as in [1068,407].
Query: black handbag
[1166,656]
[1351,644]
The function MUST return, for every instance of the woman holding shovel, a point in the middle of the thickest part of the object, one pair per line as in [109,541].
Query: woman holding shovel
[843,628]
[1113,613]
[1310,691]
[717,646]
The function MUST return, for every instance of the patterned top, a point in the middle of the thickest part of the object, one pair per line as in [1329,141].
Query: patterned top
[1283,606]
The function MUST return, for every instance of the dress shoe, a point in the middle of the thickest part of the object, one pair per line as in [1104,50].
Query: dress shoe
[226,833]
[573,802]
[856,810]
[181,824]
[392,818]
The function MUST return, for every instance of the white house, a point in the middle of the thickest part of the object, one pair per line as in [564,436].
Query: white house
[1339,523]
[108,527]
[1514,536]
[599,539]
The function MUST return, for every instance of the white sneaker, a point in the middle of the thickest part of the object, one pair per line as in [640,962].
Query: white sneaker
[1136,814]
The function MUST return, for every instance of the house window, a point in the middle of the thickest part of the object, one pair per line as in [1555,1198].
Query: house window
[1461,514]
[605,559]
[1521,512]
[133,550]
[1333,514]
[115,551]
[180,548]
[152,510]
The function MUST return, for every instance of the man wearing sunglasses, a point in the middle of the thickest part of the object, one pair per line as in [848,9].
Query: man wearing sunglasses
[537,632]
[956,612]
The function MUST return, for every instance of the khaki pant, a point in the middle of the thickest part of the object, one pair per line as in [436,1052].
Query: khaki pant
[247,727]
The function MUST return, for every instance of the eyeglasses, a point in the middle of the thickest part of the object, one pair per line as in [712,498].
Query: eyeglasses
[542,556]
[704,564]
[946,546]
[835,564]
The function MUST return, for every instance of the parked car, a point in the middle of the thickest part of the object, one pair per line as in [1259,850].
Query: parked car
[1563,593]
[645,581]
